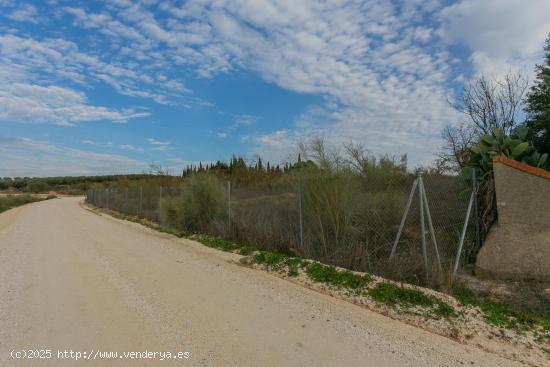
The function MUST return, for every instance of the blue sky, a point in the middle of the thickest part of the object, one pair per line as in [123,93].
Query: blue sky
[114,86]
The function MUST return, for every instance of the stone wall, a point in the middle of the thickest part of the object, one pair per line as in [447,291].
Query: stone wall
[518,246]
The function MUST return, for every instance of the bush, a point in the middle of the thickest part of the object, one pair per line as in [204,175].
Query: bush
[202,203]
[172,214]
[37,186]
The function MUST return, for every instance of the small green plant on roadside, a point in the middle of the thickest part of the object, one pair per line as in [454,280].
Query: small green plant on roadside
[292,270]
[293,264]
[499,314]
[216,242]
[465,296]
[393,295]
[339,278]
[270,259]
[444,310]
[246,250]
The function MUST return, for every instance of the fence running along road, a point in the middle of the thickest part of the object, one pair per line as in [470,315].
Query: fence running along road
[416,229]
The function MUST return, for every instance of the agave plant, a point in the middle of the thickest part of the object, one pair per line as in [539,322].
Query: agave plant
[513,146]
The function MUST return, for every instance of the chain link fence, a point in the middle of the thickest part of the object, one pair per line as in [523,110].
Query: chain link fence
[403,227]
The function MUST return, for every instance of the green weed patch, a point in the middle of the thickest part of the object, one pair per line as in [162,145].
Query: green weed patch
[444,310]
[339,278]
[270,259]
[499,314]
[393,295]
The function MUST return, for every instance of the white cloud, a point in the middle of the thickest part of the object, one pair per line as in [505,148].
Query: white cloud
[153,141]
[375,63]
[24,157]
[501,34]
[379,65]
[245,120]
[55,61]
[29,70]
[24,13]
[382,80]
[21,102]
[159,145]
[104,23]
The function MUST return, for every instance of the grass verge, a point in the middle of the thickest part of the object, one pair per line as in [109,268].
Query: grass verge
[315,271]
[335,277]
[499,314]
[393,296]
[12,201]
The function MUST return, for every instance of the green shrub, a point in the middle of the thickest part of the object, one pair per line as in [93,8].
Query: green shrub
[203,202]
[172,213]
[37,186]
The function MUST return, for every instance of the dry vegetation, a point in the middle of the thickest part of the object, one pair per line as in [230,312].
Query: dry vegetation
[340,209]
[12,201]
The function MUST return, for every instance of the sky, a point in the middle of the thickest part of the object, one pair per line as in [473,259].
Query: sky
[102,87]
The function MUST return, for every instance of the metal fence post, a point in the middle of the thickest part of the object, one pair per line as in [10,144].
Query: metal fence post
[404,218]
[229,206]
[476,208]
[430,224]
[300,215]
[423,228]
[160,203]
[462,236]
[126,201]
[140,200]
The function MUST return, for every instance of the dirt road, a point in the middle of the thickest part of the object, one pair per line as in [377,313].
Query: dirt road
[73,280]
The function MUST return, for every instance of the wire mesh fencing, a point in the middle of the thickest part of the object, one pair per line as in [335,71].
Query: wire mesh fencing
[403,227]
[441,233]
